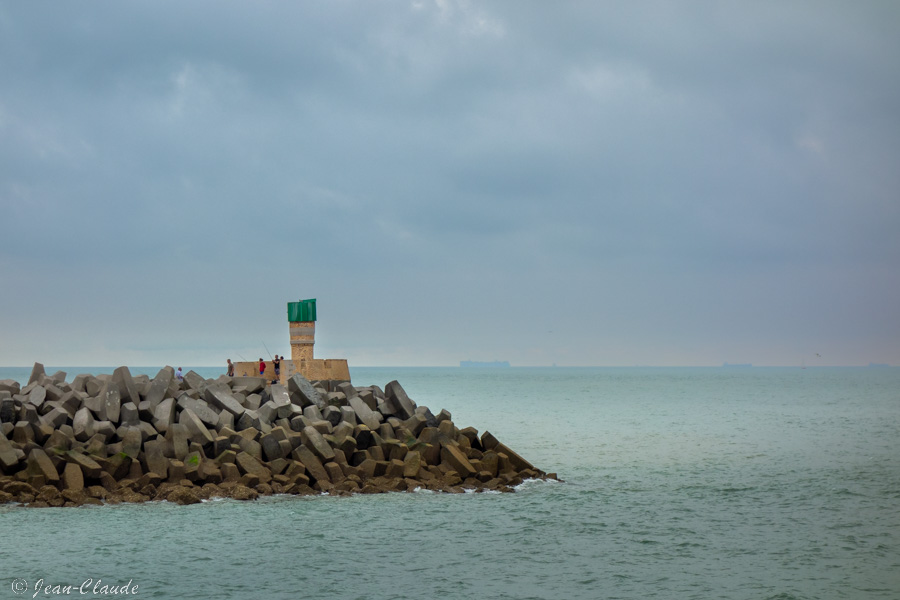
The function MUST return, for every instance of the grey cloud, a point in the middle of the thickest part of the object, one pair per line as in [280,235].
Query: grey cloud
[643,164]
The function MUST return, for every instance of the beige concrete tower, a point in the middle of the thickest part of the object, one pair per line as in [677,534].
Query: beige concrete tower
[302,319]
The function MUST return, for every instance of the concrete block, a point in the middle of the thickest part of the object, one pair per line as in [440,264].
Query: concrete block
[37,373]
[204,412]
[159,386]
[299,422]
[192,466]
[348,390]
[250,465]
[83,424]
[70,402]
[278,395]
[8,411]
[179,437]
[249,420]
[488,441]
[313,413]
[145,411]
[267,412]
[111,402]
[458,461]
[404,408]
[164,414]
[176,470]
[155,460]
[197,431]
[40,464]
[132,441]
[252,385]
[271,447]
[37,396]
[311,462]
[219,395]
[127,389]
[220,444]
[252,402]
[368,396]
[77,384]
[335,399]
[430,419]
[230,472]
[106,430]
[415,424]
[448,429]
[56,417]
[348,415]
[332,414]
[518,463]
[343,429]
[88,465]
[251,447]
[365,414]
[92,386]
[226,419]
[72,477]
[322,426]
[303,393]
[53,393]
[335,473]
[313,440]
[195,381]
[412,462]
[209,472]
[29,414]
[442,416]
[471,434]
[129,415]
[9,460]
[386,431]
[10,385]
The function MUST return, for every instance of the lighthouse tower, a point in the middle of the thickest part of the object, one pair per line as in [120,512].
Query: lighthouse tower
[302,319]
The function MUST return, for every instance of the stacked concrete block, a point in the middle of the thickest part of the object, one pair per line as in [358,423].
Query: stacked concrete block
[121,438]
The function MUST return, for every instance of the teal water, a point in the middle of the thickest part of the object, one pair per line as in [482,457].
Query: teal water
[679,483]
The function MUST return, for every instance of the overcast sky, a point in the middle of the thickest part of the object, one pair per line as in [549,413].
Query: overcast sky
[579,183]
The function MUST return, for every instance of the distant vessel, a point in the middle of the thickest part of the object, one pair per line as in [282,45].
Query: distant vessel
[742,365]
[475,363]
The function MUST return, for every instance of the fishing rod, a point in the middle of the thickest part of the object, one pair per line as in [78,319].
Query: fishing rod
[267,351]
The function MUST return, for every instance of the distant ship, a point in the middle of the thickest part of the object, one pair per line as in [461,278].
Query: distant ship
[475,363]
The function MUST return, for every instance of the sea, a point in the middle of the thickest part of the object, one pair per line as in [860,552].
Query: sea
[677,483]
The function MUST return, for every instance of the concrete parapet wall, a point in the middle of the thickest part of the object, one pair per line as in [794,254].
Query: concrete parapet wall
[333,369]
[319,369]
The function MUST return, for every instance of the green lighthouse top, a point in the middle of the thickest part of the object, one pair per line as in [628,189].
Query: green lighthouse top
[305,310]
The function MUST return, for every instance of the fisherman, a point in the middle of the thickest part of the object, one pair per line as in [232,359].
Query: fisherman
[230,371]
[276,362]
[262,367]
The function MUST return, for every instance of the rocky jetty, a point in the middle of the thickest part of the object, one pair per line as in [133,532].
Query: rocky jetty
[123,438]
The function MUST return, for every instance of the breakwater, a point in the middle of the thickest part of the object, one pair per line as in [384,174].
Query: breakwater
[123,438]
